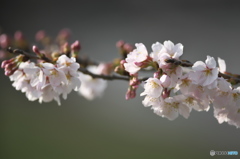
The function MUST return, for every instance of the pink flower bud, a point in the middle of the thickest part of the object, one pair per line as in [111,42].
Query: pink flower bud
[122,62]
[64,34]
[4,41]
[8,73]
[18,36]
[4,63]
[165,80]
[127,47]
[2,54]
[76,46]
[36,50]
[131,93]
[40,35]
[120,44]
[66,47]
[156,75]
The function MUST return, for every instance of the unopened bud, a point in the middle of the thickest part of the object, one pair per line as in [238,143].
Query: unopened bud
[156,75]
[18,36]
[40,35]
[66,48]
[3,55]
[8,73]
[165,80]
[76,46]
[64,34]
[122,62]
[130,94]
[127,47]
[120,44]
[4,41]
[134,81]
[36,50]
[3,65]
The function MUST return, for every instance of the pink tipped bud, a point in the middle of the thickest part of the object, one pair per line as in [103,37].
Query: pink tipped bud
[122,62]
[120,44]
[76,46]
[18,36]
[127,47]
[3,55]
[64,34]
[4,63]
[36,50]
[8,73]
[40,35]
[165,80]
[156,74]
[130,94]
[9,66]
[134,82]
[66,48]
[4,41]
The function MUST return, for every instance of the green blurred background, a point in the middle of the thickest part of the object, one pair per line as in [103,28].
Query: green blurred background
[111,127]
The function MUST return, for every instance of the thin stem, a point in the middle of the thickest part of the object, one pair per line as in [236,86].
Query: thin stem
[109,77]
[18,51]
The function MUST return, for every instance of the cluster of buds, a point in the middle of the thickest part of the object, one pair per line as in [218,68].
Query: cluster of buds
[18,41]
[133,85]
[172,91]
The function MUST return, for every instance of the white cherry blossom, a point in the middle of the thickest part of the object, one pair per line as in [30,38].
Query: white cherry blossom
[91,87]
[153,88]
[136,56]
[205,73]
[171,107]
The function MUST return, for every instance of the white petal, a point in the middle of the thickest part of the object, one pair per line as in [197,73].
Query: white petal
[184,111]
[199,66]
[210,62]
[222,65]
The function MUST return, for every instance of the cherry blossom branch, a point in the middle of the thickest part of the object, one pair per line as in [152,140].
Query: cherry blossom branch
[233,78]
[85,62]
[18,51]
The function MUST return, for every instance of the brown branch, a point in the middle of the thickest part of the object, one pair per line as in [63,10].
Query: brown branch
[32,56]
[109,77]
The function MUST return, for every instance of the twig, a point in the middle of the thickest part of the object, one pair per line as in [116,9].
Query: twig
[18,51]
[109,77]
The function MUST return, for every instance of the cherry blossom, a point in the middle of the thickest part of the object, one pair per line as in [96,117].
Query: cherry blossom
[205,73]
[91,87]
[135,58]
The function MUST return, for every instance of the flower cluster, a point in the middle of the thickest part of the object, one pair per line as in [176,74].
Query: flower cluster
[173,91]
[46,81]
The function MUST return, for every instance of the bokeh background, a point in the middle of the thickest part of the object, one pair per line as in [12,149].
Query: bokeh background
[111,127]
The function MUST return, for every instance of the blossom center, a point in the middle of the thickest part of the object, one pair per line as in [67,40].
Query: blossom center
[154,84]
[53,72]
[208,72]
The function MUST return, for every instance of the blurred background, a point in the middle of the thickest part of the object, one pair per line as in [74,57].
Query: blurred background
[111,127]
